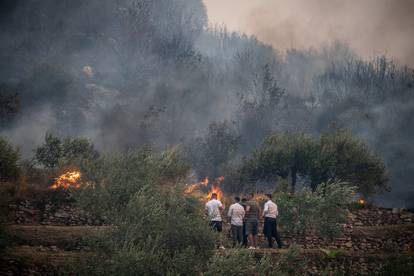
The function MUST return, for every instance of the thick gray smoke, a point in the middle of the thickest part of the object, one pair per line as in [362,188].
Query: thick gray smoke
[371,27]
[131,72]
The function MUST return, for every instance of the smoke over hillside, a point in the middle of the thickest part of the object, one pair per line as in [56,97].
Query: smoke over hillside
[132,72]
[371,27]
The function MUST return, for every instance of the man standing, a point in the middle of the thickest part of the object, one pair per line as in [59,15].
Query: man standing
[213,210]
[270,213]
[236,214]
[252,221]
[244,204]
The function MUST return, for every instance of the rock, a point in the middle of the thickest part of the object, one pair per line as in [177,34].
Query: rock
[62,214]
[396,210]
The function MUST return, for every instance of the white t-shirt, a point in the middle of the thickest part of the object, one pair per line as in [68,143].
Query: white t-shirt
[236,213]
[213,209]
[270,209]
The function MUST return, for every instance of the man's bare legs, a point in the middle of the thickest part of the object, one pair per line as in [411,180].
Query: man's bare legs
[253,240]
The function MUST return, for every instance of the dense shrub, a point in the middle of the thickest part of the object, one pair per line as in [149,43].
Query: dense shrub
[7,196]
[398,266]
[9,172]
[291,263]
[237,262]
[321,211]
[9,156]
[158,231]
[243,262]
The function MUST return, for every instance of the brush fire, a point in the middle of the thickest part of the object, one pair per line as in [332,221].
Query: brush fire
[196,188]
[68,180]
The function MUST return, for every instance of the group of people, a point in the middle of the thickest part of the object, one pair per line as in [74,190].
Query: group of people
[244,218]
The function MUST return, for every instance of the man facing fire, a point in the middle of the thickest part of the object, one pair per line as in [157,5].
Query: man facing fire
[270,214]
[236,214]
[213,210]
[252,221]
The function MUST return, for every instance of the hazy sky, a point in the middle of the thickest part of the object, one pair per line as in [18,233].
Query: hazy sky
[371,27]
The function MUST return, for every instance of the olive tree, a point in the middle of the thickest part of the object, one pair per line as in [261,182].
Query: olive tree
[336,155]
[282,155]
[56,150]
[211,154]
[343,156]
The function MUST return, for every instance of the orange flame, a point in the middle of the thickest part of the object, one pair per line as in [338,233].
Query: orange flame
[361,201]
[67,180]
[215,189]
[195,186]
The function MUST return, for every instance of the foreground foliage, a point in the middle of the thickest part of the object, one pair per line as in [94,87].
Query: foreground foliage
[321,211]
[158,231]
[243,262]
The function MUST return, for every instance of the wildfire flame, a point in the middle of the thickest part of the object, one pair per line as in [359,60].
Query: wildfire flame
[67,180]
[195,186]
[215,187]
[361,201]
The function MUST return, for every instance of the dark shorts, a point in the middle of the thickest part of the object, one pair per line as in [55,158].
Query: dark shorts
[217,225]
[252,226]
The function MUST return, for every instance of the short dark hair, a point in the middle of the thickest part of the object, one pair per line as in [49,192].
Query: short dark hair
[237,199]
[213,195]
[269,196]
[244,199]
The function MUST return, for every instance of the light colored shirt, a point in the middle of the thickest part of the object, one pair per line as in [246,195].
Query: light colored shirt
[213,209]
[236,213]
[270,209]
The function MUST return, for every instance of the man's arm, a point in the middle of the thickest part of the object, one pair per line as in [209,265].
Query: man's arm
[277,211]
[259,210]
[229,214]
[266,209]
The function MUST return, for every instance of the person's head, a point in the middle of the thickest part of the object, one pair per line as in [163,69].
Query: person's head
[251,196]
[237,199]
[269,196]
[213,196]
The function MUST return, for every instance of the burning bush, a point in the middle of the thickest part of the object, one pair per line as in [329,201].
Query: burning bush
[67,180]
[214,188]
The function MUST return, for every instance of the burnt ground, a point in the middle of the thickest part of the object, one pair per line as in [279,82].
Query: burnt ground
[47,241]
